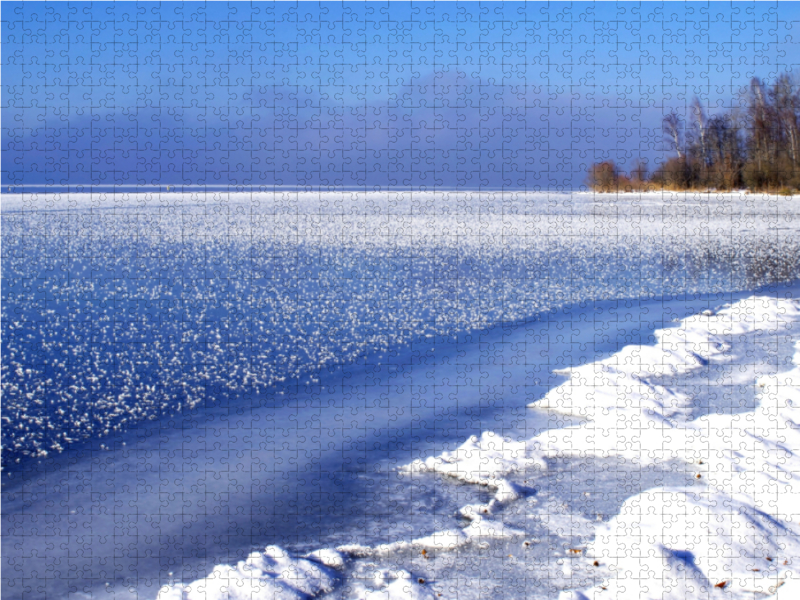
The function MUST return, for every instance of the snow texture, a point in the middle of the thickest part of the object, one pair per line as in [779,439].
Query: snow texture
[734,537]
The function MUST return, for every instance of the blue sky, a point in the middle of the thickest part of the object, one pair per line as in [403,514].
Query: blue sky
[399,95]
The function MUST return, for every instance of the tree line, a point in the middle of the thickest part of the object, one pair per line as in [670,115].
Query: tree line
[755,146]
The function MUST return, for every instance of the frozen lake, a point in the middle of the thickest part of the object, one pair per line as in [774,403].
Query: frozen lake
[188,378]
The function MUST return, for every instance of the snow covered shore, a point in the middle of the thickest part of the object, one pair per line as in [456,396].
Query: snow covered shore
[735,533]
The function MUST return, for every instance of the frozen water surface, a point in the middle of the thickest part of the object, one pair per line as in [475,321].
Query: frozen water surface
[127,307]
[209,375]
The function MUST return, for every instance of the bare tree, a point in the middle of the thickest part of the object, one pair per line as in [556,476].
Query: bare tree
[639,174]
[699,131]
[757,146]
[724,152]
[760,123]
[603,176]
[671,125]
[786,105]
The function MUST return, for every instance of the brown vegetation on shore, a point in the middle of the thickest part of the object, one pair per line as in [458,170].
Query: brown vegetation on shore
[754,146]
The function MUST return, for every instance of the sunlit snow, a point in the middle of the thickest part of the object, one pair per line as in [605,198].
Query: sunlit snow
[395,395]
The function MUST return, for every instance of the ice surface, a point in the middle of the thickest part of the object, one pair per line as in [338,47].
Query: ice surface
[394,327]
[152,299]
[736,532]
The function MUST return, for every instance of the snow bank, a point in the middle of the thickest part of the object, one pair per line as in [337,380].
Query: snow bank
[734,537]
[671,543]
[483,461]
[397,585]
[743,535]
[268,575]
[634,418]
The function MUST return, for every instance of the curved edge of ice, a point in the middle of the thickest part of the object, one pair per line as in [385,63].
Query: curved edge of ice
[664,531]
[751,511]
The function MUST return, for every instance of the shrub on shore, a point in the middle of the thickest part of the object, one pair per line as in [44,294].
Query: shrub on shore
[755,146]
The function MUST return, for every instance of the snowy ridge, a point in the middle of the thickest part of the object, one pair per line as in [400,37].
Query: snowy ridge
[737,537]
[751,510]
[752,506]
[270,574]
[633,418]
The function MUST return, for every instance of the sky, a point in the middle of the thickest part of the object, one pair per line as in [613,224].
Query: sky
[365,95]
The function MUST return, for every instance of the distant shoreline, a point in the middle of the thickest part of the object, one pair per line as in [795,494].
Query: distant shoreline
[235,189]
[58,201]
